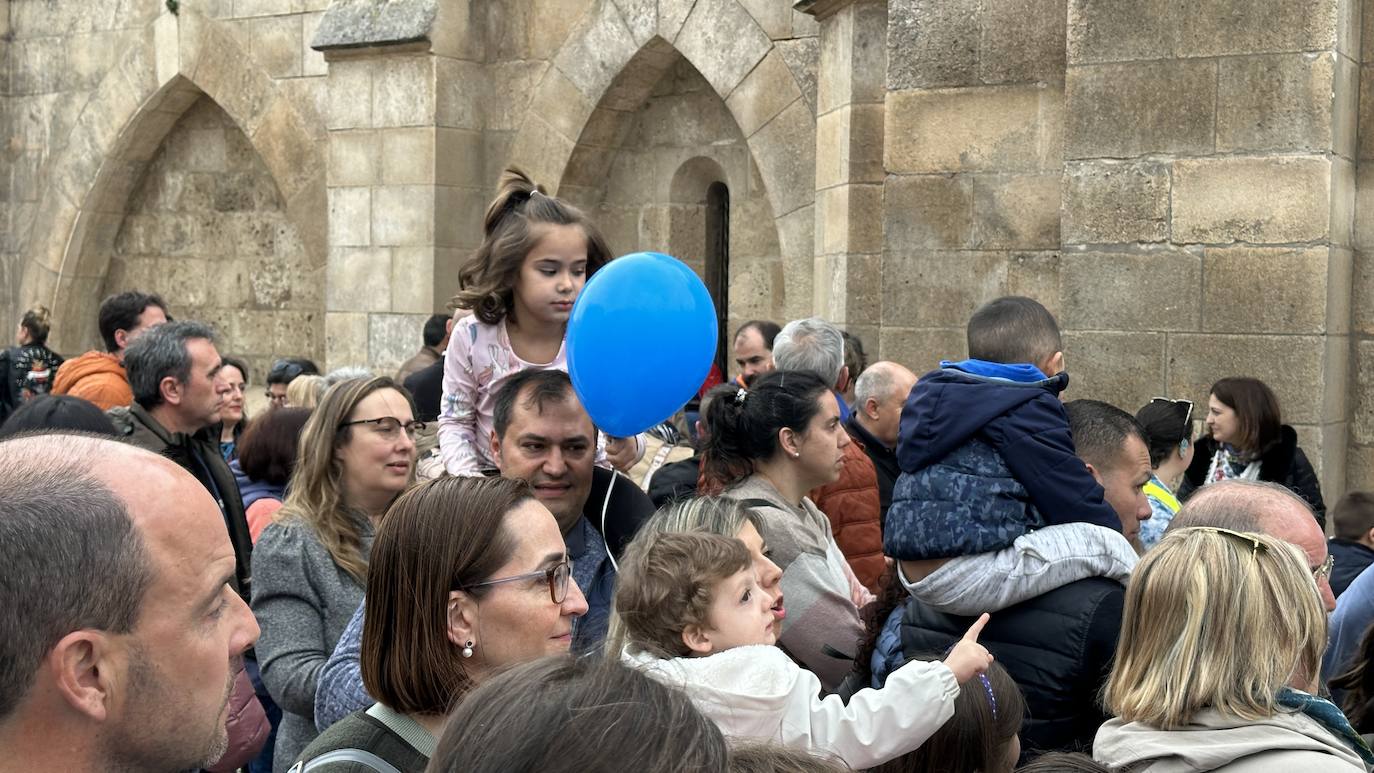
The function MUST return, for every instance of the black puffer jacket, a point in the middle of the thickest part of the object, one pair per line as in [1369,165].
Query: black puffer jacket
[1058,647]
[1284,463]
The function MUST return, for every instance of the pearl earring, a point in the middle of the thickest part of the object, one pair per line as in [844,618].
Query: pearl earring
[467,650]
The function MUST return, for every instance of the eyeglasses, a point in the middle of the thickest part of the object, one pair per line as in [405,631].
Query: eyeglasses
[1325,569]
[390,426]
[275,399]
[1250,539]
[556,576]
[1187,417]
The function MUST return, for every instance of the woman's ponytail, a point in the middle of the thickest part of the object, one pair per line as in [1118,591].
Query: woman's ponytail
[38,321]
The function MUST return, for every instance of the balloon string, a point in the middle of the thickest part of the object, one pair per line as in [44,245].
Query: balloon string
[604,507]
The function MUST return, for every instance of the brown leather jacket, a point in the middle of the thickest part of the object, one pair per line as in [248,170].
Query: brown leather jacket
[851,503]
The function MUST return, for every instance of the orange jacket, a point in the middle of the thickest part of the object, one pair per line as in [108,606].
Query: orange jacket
[851,503]
[95,376]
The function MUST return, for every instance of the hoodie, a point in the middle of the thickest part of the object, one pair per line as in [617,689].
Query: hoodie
[986,456]
[95,376]
[1283,743]
[756,692]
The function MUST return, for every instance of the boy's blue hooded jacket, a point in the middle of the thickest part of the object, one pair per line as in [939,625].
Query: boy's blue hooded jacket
[986,456]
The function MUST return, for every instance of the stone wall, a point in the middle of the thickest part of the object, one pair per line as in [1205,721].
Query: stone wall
[207,230]
[681,140]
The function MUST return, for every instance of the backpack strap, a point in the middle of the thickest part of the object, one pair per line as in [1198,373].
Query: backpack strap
[356,756]
[752,503]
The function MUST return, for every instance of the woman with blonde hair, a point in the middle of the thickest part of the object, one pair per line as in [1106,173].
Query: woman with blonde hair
[305,391]
[357,454]
[1219,662]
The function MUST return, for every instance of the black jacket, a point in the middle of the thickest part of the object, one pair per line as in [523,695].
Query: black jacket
[884,462]
[426,386]
[199,455]
[675,480]
[1058,647]
[1284,463]
[1351,559]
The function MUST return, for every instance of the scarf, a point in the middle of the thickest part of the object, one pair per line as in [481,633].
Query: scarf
[1230,464]
[1326,714]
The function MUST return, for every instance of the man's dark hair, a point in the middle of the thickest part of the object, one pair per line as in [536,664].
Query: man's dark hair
[286,369]
[767,331]
[1100,430]
[121,312]
[538,387]
[435,328]
[70,556]
[159,353]
[1354,515]
[1013,329]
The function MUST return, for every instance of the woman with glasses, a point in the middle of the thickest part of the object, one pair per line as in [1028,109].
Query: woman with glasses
[356,455]
[232,383]
[1168,428]
[1246,439]
[1218,663]
[468,576]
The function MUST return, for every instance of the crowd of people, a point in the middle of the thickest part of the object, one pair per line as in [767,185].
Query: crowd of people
[821,564]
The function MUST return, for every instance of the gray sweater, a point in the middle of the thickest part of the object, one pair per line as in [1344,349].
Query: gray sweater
[303,601]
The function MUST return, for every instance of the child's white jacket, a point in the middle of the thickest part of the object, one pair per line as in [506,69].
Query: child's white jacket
[757,692]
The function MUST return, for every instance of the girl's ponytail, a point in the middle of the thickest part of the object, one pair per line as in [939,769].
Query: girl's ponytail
[512,193]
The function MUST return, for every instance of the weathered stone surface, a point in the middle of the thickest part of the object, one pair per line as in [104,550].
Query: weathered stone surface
[1275,200]
[785,151]
[1122,369]
[1128,110]
[1345,110]
[1022,41]
[1112,202]
[1119,30]
[364,23]
[848,219]
[403,215]
[957,130]
[345,339]
[1277,102]
[921,349]
[928,211]
[403,92]
[1018,211]
[354,157]
[1102,290]
[408,156]
[596,50]
[461,90]
[774,18]
[932,44]
[358,279]
[276,45]
[763,94]
[350,95]
[1271,290]
[1362,396]
[1036,275]
[722,41]
[803,58]
[1291,365]
[350,216]
[940,288]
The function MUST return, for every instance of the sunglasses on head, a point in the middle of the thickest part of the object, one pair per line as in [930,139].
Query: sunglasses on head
[1187,404]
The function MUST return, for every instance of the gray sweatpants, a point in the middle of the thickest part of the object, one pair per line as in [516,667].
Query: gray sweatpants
[1035,564]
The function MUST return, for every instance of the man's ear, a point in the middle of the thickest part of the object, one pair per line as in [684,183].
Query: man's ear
[1369,537]
[495,446]
[87,672]
[1097,476]
[171,390]
[842,383]
[697,639]
[121,339]
[871,408]
[462,619]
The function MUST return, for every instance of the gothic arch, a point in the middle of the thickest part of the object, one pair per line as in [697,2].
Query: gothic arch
[177,59]
[609,64]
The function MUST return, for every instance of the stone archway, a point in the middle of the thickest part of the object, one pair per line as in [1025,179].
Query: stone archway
[607,68]
[178,59]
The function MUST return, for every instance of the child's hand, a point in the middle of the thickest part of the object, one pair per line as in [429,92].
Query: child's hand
[621,452]
[969,658]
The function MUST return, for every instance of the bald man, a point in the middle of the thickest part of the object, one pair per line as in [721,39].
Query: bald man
[1266,508]
[122,635]
[879,394]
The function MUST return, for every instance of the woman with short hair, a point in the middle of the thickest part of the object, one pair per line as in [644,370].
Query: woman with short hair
[468,576]
[1247,439]
[1219,661]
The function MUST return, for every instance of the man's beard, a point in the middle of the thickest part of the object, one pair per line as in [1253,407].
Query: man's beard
[155,721]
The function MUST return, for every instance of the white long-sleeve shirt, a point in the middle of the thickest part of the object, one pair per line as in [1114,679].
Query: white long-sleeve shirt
[756,692]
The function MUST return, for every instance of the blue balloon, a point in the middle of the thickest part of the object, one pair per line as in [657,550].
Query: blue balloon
[641,340]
